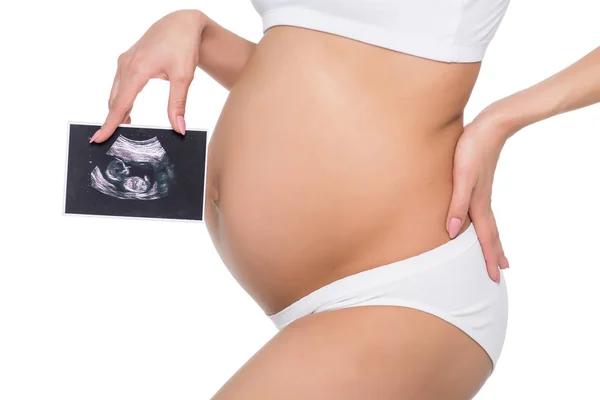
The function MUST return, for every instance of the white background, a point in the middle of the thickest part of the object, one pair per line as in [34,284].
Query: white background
[82,318]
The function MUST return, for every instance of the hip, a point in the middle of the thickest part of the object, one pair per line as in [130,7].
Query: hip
[449,281]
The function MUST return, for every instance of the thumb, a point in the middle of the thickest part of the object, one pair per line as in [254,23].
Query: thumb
[459,204]
[177,100]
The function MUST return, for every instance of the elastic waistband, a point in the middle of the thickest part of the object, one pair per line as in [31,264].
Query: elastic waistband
[366,280]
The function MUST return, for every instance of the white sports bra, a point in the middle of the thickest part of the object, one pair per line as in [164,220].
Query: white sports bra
[443,30]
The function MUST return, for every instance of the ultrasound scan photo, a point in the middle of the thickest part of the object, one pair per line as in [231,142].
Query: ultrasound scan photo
[138,172]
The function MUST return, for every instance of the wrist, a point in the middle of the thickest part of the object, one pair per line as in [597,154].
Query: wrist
[200,22]
[505,116]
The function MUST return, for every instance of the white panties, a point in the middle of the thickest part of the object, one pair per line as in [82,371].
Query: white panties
[449,281]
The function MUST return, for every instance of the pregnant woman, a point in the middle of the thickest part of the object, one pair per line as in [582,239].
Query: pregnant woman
[344,192]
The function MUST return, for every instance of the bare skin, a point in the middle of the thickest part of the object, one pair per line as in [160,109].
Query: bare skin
[363,353]
[332,157]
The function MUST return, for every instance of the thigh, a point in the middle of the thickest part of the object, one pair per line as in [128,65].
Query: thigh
[366,352]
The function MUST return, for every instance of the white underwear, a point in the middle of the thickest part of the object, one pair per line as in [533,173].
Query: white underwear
[449,281]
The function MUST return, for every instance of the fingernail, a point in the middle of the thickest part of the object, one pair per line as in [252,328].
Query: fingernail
[95,135]
[181,124]
[454,227]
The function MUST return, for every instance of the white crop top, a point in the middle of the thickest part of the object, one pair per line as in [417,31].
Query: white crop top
[443,30]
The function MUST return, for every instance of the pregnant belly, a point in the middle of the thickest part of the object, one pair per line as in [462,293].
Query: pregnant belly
[317,170]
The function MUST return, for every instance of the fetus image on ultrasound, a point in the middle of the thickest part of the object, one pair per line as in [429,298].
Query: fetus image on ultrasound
[139,170]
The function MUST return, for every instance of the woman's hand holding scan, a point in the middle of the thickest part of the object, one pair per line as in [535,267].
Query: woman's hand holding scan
[169,50]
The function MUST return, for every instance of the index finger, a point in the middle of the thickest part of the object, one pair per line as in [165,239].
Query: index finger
[126,93]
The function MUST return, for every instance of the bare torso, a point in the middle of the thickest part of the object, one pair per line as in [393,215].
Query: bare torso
[331,157]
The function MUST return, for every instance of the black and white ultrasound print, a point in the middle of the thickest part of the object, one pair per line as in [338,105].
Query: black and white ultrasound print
[138,172]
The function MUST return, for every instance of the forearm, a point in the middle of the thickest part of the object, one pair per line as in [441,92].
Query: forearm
[574,87]
[223,54]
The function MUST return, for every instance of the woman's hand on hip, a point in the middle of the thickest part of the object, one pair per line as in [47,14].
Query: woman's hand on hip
[169,50]
[475,159]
